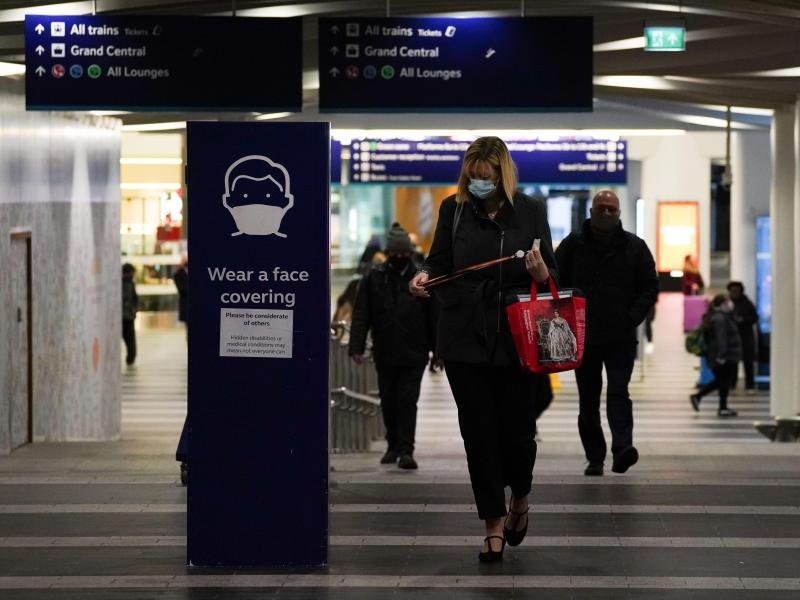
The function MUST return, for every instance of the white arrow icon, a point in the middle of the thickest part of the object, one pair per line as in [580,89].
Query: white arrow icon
[39,49]
[40,71]
[334,50]
[673,39]
[490,52]
[334,72]
[335,29]
[39,29]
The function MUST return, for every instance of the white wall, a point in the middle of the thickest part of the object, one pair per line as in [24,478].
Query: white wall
[59,179]
[751,169]
[678,168]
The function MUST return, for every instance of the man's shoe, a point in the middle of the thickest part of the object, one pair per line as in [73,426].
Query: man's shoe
[726,412]
[389,458]
[593,469]
[695,400]
[625,460]
[406,461]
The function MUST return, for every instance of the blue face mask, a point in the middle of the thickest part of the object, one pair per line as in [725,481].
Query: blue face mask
[481,188]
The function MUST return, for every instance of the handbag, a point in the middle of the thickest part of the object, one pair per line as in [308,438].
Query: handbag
[548,329]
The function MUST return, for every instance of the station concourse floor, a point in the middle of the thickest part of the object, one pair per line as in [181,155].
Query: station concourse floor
[712,510]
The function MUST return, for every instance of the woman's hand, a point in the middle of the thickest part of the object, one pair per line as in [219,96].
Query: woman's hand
[415,285]
[535,265]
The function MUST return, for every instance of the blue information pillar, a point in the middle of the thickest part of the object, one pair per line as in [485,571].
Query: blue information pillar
[258,343]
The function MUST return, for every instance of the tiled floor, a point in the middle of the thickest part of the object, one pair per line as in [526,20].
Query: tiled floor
[712,511]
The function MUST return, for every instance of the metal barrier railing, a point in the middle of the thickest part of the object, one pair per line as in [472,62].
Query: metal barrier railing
[355,419]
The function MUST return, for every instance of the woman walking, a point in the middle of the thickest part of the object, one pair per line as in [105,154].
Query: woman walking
[723,351]
[487,219]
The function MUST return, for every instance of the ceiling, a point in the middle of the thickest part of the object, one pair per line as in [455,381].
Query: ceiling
[744,53]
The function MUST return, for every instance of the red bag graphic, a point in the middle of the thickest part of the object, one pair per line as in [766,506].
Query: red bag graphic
[549,329]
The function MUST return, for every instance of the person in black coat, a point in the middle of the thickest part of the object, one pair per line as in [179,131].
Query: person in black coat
[746,317]
[723,351]
[487,219]
[402,335]
[617,273]
[130,306]
[181,279]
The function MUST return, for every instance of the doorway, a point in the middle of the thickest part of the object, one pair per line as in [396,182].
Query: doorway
[21,401]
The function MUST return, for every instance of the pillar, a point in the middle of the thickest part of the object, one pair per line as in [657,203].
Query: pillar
[783,351]
[794,274]
[750,165]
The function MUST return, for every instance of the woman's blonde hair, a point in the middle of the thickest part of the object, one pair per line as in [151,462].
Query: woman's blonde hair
[493,151]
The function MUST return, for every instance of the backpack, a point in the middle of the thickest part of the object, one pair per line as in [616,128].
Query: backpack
[695,342]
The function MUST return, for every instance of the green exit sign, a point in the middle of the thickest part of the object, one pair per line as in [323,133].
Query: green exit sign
[664,39]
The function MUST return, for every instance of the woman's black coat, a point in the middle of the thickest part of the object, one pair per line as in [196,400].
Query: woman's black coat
[473,327]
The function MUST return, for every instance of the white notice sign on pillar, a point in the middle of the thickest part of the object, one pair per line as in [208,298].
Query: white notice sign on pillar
[255,333]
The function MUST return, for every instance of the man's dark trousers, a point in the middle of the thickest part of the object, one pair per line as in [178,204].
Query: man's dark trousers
[618,359]
[129,336]
[399,390]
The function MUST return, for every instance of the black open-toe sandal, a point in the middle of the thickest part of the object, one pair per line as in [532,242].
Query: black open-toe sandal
[492,555]
[514,537]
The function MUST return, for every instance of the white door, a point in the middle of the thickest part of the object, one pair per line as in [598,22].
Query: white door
[20,352]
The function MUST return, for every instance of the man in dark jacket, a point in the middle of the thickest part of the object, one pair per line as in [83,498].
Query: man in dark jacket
[402,335]
[130,305]
[745,316]
[616,272]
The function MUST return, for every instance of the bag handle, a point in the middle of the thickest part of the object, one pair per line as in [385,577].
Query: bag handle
[553,289]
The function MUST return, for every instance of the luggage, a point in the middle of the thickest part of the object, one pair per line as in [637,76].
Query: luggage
[548,329]
[694,307]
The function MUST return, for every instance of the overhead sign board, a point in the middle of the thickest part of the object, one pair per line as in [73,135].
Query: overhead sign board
[450,64]
[163,63]
[438,160]
[664,39]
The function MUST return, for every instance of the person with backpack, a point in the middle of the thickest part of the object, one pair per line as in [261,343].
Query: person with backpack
[722,350]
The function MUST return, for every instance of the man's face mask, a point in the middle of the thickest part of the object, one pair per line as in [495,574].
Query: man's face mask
[482,188]
[399,261]
[604,219]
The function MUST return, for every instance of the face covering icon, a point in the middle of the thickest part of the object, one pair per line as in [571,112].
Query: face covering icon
[258,195]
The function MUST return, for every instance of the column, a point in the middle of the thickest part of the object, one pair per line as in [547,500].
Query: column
[783,393]
[794,274]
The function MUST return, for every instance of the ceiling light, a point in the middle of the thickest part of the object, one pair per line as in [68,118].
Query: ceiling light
[711,122]
[626,44]
[789,72]
[153,185]
[155,126]
[740,110]
[63,8]
[7,69]
[642,82]
[296,10]
[108,113]
[277,115]
[149,160]
[346,135]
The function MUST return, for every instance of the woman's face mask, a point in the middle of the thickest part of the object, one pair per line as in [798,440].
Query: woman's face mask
[482,188]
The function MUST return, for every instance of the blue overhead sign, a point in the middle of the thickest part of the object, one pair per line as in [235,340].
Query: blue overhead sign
[163,63]
[258,343]
[417,64]
[438,160]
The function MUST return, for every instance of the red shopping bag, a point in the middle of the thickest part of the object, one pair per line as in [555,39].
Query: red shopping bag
[549,329]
